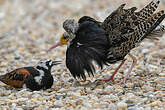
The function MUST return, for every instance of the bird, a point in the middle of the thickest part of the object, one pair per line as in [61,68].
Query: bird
[91,42]
[33,78]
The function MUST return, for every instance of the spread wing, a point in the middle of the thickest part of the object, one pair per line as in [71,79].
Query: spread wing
[126,28]
[123,21]
[125,42]
[89,45]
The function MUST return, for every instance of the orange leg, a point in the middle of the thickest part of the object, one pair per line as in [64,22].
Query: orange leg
[129,71]
[112,77]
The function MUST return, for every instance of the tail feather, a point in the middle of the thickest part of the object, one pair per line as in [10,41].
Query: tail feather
[147,11]
[158,32]
[154,21]
[145,28]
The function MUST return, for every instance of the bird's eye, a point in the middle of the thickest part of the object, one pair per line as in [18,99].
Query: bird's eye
[65,37]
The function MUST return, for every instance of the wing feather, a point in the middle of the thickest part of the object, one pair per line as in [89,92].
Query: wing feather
[89,45]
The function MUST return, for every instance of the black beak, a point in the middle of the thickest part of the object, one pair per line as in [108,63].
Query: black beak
[56,62]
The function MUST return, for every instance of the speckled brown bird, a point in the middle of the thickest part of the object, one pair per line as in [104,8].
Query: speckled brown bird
[34,78]
[109,41]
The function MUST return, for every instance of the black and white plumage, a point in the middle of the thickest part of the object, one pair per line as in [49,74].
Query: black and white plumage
[34,78]
[111,40]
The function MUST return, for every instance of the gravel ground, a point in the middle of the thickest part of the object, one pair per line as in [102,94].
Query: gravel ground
[29,27]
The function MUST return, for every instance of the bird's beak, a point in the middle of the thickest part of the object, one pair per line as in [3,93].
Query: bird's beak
[54,46]
[56,62]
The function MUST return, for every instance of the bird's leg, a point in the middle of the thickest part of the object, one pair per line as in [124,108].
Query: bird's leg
[129,71]
[116,70]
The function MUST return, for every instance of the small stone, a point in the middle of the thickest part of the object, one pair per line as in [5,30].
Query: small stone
[104,104]
[130,85]
[162,74]
[58,103]
[160,80]
[39,107]
[112,107]
[81,108]
[113,98]
[18,108]
[86,104]
[139,93]
[145,50]
[144,99]
[131,96]
[17,57]
[3,64]
[122,106]
[156,103]
[60,96]
[147,88]
[135,108]
[71,80]
[130,101]
[148,108]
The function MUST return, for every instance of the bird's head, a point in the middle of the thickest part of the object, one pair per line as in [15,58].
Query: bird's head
[47,64]
[71,26]
[65,38]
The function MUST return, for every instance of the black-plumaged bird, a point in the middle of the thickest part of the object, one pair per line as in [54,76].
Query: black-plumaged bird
[109,41]
[34,78]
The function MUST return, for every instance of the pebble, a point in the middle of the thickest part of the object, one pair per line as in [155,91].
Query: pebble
[147,88]
[113,98]
[155,103]
[112,107]
[121,106]
[130,85]
[86,104]
[135,108]
[58,103]
[160,80]
[162,74]
[148,108]
[130,96]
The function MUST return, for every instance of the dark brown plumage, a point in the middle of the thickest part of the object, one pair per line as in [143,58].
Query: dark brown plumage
[111,40]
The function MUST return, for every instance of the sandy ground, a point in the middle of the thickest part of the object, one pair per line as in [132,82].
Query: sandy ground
[29,27]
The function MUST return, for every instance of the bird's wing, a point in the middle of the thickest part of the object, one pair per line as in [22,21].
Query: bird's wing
[145,28]
[148,10]
[15,78]
[122,21]
[88,18]
[123,44]
[89,45]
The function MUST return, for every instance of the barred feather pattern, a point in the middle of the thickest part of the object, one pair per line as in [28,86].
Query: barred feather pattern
[126,28]
[148,10]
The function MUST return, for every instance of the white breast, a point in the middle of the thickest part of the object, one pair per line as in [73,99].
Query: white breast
[38,79]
